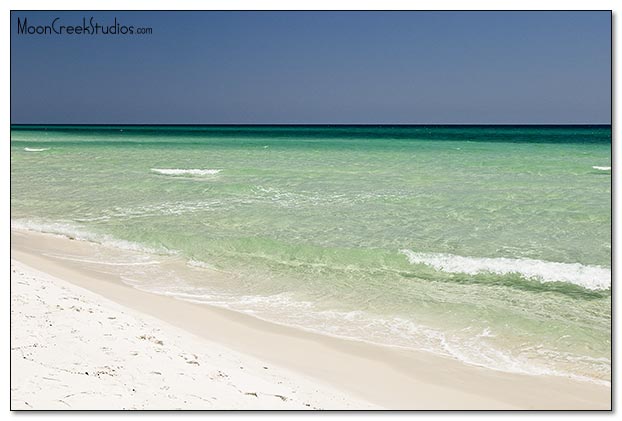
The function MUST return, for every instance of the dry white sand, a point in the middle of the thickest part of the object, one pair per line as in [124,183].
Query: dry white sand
[72,349]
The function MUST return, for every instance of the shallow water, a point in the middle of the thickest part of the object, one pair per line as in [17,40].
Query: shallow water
[488,244]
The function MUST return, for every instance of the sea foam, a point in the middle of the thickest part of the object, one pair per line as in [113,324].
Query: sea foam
[589,277]
[36,149]
[596,167]
[72,231]
[178,171]
[403,333]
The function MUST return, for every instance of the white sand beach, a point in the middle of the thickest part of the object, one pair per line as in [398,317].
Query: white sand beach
[83,340]
[72,349]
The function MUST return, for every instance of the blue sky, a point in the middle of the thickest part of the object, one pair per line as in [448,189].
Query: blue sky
[316,68]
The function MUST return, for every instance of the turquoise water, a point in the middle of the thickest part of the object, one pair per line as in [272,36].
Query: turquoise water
[491,245]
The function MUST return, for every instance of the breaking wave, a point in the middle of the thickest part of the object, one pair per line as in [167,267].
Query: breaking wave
[589,277]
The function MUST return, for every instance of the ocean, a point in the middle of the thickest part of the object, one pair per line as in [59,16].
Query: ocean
[487,244]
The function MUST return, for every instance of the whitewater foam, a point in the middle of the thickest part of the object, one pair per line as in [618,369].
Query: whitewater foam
[596,167]
[197,264]
[589,277]
[101,262]
[357,325]
[178,171]
[72,231]
[36,149]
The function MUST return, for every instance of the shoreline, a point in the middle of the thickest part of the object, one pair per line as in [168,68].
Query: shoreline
[384,376]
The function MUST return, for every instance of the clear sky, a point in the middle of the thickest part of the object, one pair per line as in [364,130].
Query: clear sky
[316,68]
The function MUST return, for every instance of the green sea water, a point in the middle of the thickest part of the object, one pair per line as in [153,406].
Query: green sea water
[488,244]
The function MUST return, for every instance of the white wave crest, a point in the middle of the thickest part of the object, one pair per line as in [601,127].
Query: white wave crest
[36,149]
[589,277]
[177,171]
[596,167]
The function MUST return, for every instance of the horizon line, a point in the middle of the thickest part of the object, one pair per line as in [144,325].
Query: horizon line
[305,124]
